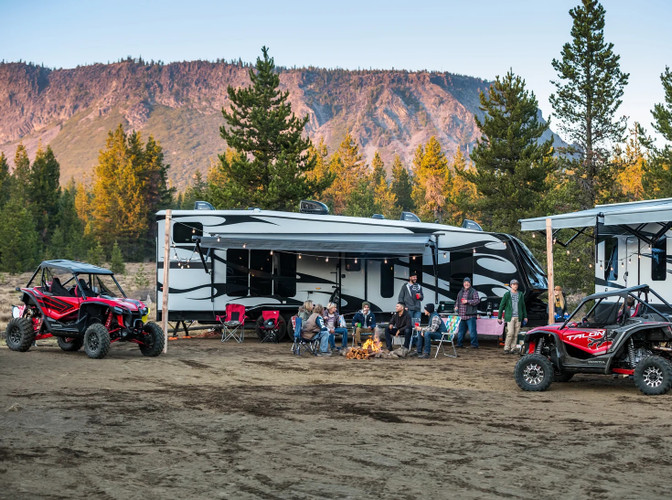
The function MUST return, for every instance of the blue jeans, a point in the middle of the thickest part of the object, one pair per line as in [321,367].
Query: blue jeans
[343,332]
[464,324]
[323,336]
[425,339]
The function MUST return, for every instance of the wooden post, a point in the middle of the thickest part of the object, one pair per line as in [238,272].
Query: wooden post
[166,285]
[549,269]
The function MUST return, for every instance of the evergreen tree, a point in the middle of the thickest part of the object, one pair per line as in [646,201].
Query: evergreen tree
[348,170]
[18,237]
[431,174]
[197,191]
[44,192]
[630,164]
[401,186]
[21,173]
[657,179]
[5,180]
[271,159]
[117,264]
[589,91]
[461,195]
[69,240]
[511,165]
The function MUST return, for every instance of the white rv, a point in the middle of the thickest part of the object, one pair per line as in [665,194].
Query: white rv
[631,242]
[277,260]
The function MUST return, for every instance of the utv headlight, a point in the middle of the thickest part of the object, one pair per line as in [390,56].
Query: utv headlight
[16,312]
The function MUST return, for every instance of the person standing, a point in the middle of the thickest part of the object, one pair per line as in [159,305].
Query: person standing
[411,297]
[512,309]
[400,323]
[465,307]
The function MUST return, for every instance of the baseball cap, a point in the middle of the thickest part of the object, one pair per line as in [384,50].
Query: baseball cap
[466,279]
[514,282]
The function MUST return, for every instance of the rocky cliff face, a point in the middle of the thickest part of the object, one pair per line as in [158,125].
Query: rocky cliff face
[180,105]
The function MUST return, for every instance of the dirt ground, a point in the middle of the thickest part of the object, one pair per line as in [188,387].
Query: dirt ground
[227,420]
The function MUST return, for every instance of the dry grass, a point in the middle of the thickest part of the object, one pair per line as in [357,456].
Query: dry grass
[138,282]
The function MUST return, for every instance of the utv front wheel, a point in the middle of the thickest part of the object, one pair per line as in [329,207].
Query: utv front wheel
[534,372]
[152,340]
[96,341]
[653,375]
[70,344]
[19,334]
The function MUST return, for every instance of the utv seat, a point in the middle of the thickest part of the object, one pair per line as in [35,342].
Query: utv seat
[58,289]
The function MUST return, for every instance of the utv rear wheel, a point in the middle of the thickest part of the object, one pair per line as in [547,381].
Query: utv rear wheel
[534,372]
[653,375]
[70,344]
[96,341]
[152,340]
[19,334]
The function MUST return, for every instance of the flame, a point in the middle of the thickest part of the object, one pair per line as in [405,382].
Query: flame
[370,347]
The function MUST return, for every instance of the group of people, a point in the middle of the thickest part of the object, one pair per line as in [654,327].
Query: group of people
[325,323]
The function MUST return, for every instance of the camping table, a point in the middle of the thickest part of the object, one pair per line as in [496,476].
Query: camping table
[489,326]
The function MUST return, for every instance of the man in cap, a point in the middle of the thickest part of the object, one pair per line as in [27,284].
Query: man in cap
[465,307]
[514,310]
[411,296]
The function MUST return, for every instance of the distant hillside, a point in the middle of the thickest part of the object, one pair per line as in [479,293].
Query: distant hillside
[180,105]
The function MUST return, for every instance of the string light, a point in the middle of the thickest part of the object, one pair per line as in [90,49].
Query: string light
[355,260]
[271,252]
[567,252]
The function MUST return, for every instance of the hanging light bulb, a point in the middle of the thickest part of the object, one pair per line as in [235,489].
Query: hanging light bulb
[271,252]
[326,260]
[445,255]
[355,260]
[244,245]
[299,256]
[218,239]
[534,235]
[414,257]
[567,252]
[474,250]
[578,260]
[590,266]
[385,260]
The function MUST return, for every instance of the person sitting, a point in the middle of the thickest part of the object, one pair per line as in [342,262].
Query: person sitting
[332,321]
[305,310]
[315,328]
[364,321]
[559,304]
[399,323]
[433,331]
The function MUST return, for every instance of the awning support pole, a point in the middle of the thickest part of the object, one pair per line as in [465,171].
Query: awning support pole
[166,287]
[549,267]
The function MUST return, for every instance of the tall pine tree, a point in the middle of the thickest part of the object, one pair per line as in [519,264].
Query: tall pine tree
[268,169]
[402,186]
[44,192]
[657,178]
[588,94]
[431,174]
[511,165]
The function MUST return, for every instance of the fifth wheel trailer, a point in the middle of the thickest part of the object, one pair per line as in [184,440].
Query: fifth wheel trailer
[270,260]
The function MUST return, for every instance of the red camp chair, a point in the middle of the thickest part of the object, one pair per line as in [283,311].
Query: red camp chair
[270,326]
[233,322]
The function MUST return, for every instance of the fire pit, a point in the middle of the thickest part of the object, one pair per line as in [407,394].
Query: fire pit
[372,348]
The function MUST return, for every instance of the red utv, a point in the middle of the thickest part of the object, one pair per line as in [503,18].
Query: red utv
[612,333]
[81,305]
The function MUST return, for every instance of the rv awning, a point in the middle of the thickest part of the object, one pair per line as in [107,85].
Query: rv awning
[383,244]
[640,212]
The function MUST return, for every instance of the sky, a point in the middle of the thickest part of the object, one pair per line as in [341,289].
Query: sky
[483,38]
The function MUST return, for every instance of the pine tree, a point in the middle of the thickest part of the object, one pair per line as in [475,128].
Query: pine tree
[18,237]
[117,264]
[401,186]
[44,192]
[657,179]
[461,195]
[589,91]
[271,159]
[348,169]
[5,180]
[21,173]
[511,165]
[431,174]
[630,164]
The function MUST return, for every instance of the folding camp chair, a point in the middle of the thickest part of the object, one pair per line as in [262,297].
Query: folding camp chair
[270,326]
[302,344]
[452,326]
[233,322]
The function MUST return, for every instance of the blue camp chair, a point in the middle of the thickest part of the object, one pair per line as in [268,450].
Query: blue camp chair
[300,343]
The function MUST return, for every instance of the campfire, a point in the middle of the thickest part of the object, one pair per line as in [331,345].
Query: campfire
[371,348]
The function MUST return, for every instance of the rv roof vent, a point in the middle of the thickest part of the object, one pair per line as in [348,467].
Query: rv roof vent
[409,216]
[313,207]
[377,216]
[203,205]
[470,224]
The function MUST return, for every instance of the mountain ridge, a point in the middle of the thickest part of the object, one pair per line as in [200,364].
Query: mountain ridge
[389,111]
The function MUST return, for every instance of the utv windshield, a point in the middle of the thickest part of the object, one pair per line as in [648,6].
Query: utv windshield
[102,285]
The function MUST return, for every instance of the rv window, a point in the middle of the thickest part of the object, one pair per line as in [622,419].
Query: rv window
[261,267]
[182,232]
[611,259]
[286,285]
[659,260]
[415,266]
[387,279]
[236,273]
